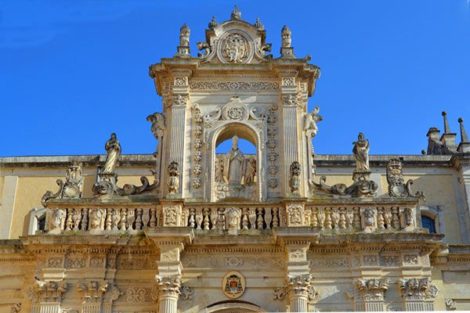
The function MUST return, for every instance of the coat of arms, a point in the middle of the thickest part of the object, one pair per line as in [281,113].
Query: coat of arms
[233,285]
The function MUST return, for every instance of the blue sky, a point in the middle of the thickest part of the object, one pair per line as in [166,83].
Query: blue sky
[72,72]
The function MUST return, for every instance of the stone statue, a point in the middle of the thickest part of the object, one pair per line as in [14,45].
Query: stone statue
[235,160]
[294,181]
[361,153]
[310,122]
[250,172]
[185,32]
[286,35]
[173,178]
[158,124]
[212,23]
[113,150]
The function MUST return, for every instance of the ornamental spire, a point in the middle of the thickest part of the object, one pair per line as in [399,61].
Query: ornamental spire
[236,14]
[446,123]
[463,133]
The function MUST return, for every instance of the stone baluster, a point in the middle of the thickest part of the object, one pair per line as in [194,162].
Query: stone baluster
[245,223]
[192,218]
[69,221]
[107,219]
[335,217]
[395,218]
[380,219]
[314,217]
[199,218]
[349,218]
[213,216]
[153,218]
[259,218]
[328,220]
[321,218]
[252,218]
[357,219]
[123,221]
[138,219]
[388,217]
[206,218]
[268,217]
[275,217]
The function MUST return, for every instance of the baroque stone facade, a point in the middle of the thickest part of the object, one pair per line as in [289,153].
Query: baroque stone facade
[238,231]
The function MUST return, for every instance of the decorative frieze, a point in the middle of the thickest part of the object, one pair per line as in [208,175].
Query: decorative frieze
[233,86]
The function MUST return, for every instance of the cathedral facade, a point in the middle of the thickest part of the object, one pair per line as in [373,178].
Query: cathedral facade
[279,228]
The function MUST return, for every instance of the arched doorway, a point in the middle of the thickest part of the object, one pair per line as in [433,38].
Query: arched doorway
[232,306]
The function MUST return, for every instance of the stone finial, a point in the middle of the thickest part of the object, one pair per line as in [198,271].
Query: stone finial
[446,123]
[212,23]
[463,133]
[258,24]
[183,48]
[464,146]
[287,51]
[236,14]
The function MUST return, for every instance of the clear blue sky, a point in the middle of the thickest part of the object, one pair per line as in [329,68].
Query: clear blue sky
[72,72]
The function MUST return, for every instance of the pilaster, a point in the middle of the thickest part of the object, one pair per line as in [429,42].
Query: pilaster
[371,294]
[418,294]
[177,113]
[290,130]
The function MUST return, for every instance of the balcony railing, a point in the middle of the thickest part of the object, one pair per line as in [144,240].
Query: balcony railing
[346,218]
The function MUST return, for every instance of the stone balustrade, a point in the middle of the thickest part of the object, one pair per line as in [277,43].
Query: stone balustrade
[234,218]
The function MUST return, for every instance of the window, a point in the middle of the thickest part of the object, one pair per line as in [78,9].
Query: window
[429,223]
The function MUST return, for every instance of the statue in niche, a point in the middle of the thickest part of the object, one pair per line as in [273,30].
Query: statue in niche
[113,150]
[173,179]
[361,153]
[310,122]
[235,160]
[250,172]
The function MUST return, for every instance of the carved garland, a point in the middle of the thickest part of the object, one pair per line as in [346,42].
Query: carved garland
[197,147]
[271,144]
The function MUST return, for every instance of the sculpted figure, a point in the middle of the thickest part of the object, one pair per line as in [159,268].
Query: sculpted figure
[158,124]
[250,172]
[113,149]
[286,35]
[173,179]
[294,181]
[235,160]
[58,219]
[310,122]
[184,36]
[361,153]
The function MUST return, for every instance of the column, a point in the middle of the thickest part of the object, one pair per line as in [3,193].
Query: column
[298,289]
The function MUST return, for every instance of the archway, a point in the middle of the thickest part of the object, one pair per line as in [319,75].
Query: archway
[233,306]
[235,174]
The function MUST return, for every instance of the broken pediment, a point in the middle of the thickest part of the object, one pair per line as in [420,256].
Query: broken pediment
[235,42]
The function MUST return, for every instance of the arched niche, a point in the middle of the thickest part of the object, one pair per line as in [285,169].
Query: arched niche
[217,190]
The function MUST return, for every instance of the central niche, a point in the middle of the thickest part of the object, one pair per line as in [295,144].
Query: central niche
[236,165]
